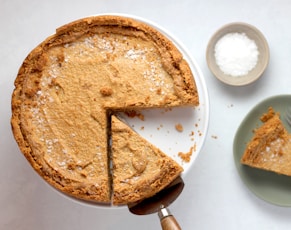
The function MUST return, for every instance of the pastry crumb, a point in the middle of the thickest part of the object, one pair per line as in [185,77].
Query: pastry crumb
[133,113]
[179,127]
[186,157]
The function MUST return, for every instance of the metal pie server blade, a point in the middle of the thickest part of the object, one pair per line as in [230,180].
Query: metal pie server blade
[159,203]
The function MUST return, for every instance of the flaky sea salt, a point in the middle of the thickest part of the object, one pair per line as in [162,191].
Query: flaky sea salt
[236,54]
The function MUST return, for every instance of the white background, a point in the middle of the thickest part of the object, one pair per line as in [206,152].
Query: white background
[214,196]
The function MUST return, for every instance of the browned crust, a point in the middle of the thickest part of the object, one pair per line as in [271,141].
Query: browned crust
[29,74]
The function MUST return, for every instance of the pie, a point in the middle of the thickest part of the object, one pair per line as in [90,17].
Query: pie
[69,85]
[270,147]
[140,169]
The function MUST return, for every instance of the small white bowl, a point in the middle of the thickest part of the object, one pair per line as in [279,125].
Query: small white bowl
[252,33]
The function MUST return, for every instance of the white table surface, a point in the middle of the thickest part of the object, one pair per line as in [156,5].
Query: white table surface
[214,196]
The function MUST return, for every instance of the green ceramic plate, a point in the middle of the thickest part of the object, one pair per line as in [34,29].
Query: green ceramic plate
[269,186]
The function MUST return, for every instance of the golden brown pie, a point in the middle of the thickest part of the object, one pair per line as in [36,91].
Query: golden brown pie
[270,147]
[140,169]
[70,83]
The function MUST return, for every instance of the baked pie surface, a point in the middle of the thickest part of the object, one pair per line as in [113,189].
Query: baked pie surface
[69,85]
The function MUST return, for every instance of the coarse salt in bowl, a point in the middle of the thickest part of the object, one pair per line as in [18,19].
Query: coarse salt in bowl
[237,54]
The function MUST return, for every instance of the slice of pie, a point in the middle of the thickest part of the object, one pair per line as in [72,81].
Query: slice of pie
[140,169]
[270,147]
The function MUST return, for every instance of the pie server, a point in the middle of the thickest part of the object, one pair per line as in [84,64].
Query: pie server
[159,203]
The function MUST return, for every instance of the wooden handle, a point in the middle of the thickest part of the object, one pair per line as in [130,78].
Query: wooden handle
[170,223]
